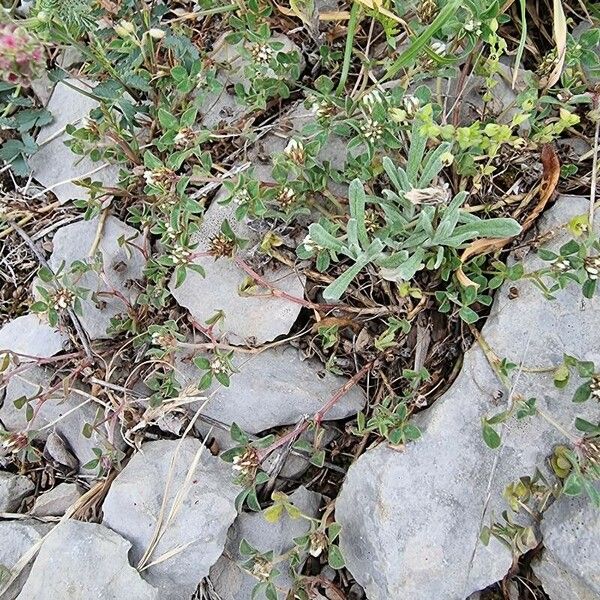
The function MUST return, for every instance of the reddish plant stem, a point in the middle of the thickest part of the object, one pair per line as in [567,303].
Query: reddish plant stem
[41,398]
[318,416]
[35,362]
[240,262]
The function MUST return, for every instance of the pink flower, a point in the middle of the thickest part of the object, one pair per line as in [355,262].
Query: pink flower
[21,55]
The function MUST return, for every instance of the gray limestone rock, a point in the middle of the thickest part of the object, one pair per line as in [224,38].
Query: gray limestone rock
[30,335]
[68,414]
[411,519]
[56,501]
[569,566]
[54,165]
[18,537]
[122,266]
[230,581]
[257,316]
[272,388]
[222,107]
[196,516]
[80,561]
[13,489]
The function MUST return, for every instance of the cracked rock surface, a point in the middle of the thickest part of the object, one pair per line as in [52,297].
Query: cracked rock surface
[193,524]
[81,561]
[122,265]
[569,565]
[411,519]
[254,315]
[272,388]
[54,165]
[231,582]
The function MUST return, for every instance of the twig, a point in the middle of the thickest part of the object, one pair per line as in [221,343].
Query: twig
[319,415]
[74,319]
[594,178]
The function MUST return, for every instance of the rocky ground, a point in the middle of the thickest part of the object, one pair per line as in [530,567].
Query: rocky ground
[215,444]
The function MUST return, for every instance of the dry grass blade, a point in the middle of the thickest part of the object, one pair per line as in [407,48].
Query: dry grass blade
[163,524]
[549,182]
[559,27]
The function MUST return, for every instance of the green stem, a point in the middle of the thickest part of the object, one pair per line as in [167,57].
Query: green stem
[352,25]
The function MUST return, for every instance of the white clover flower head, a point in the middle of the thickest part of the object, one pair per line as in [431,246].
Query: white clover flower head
[86,123]
[156,34]
[310,245]
[125,28]
[592,267]
[181,255]
[149,177]
[398,115]
[63,298]
[372,99]
[472,25]
[372,130]
[411,104]
[241,197]
[561,264]
[439,48]
[262,53]
[295,151]
[218,366]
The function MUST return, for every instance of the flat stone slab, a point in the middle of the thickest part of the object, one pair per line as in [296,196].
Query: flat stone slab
[122,266]
[229,579]
[272,388]
[249,317]
[30,335]
[18,537]
[54,165]
[223,108]
[411,519]
[56,501]
[13,489]
[81,561]
[68,414]
[194,536]
[569,566]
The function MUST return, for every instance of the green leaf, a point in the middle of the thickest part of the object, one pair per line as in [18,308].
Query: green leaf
[237,434]
[202,363]
[468,315]
[336,288]
[32,117]
[485,535]
[246,549]
[273,513]
[586,426]
[582,393]
[261,477]
[318,458]
[586,368]
[167,120]
[490,436]
[490,228]
[323,238]
[38,307]
[335,557]
[412,432]
[357,200]
[333,531]
[151,161]
[422,40]
[561,376]
[223,379]
[573,485]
